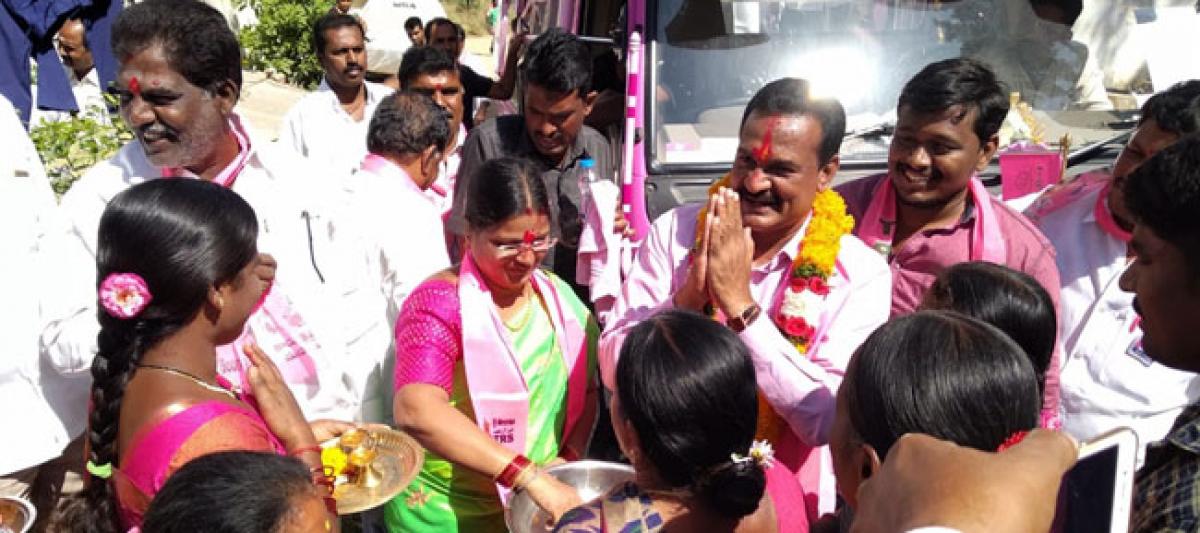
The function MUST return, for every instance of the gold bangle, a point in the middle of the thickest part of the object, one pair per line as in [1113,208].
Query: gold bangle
[523,479]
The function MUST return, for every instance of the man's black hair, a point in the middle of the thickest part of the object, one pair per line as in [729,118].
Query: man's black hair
[411,23]
[195,38]
[1164,195]
[435,22]
[1176,109]
[333,21]
[791,96]
[407,123]
[422,60]
[961,82]
[558,62]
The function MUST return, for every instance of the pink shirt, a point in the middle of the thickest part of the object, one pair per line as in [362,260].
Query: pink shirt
[918,261]
[801,388]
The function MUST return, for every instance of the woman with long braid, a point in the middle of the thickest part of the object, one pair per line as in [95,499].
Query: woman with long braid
[178,274]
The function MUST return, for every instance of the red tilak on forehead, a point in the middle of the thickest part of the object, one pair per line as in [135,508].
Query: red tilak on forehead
[134,86]
[528,237]
[438,87]
[763,152]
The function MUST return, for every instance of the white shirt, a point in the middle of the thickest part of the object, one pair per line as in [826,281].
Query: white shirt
[442,191]
[318,128]
[407,225]
[43,409]
[303,218]
[89,96]
[1106,379]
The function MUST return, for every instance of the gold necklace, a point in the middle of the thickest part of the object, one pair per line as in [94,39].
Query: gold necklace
[190,377]
[525,315]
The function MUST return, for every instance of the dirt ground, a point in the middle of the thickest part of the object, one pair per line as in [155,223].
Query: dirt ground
[265,101]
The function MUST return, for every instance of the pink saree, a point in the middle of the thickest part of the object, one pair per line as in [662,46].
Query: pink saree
[161,448]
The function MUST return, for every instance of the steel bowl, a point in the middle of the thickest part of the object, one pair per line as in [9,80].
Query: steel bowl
[16,515]
[590,478]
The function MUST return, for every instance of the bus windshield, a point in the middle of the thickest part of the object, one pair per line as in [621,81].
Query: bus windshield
[1083,71]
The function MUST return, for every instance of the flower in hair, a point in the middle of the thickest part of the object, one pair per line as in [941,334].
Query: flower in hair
[124,295]
[761,452]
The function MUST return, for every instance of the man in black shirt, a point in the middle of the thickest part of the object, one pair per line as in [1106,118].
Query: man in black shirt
[557,95]
[449,36]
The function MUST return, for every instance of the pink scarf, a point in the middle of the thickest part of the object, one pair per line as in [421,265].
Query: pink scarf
[1104,217]
[230,173]
[499,393]
[275,325]
[277,328]
[987,242]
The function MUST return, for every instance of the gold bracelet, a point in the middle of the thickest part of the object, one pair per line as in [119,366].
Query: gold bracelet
[523,479]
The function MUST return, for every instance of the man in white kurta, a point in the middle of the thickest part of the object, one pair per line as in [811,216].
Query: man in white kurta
[1107,379]
[76,54]
[39,399]
[783,160]
[332,346]
[408,138]
[329,126]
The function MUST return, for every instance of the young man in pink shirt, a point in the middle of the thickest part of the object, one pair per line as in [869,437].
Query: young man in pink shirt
[930,211]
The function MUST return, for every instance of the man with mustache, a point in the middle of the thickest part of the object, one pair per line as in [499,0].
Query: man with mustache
[1107,379]
[428,70]
[557,75]
[930,211]
[76,54]
[324,320]
[737,258]
[330,125]
[449,36]
[1163,197]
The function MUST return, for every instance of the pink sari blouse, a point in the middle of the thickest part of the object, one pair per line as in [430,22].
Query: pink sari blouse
[160,449]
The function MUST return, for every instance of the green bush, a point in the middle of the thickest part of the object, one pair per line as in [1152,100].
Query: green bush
[281,41]
[70,147]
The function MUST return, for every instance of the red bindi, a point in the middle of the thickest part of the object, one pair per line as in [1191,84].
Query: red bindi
[134,86]
[763,152]
[528,237]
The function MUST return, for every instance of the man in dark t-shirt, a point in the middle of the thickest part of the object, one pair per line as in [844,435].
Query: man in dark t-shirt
[449,36]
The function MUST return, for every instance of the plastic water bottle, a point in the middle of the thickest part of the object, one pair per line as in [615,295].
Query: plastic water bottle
[588,176]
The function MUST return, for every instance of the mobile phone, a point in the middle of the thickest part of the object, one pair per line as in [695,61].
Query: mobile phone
[1096,493]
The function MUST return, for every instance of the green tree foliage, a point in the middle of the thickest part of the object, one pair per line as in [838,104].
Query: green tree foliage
[70,147]
[281,41]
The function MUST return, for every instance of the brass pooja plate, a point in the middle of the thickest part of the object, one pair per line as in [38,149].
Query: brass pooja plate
[382,462]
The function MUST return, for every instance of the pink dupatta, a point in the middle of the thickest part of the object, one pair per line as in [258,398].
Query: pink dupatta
[987,242]
[499,393]
[275,325]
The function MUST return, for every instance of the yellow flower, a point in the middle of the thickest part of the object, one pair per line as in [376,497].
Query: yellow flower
[335,459]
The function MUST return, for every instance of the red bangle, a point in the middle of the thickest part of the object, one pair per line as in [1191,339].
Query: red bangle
[507,477]
[298,451]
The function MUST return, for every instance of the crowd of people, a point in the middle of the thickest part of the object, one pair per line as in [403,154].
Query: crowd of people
[205,308]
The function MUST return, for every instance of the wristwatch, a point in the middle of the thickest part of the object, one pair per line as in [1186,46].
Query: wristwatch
[743,320]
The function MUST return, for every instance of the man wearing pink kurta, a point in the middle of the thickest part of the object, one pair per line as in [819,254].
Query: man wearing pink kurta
[787,154]
[930,211]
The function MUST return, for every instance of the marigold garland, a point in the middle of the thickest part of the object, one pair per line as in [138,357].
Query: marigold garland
[807,284]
